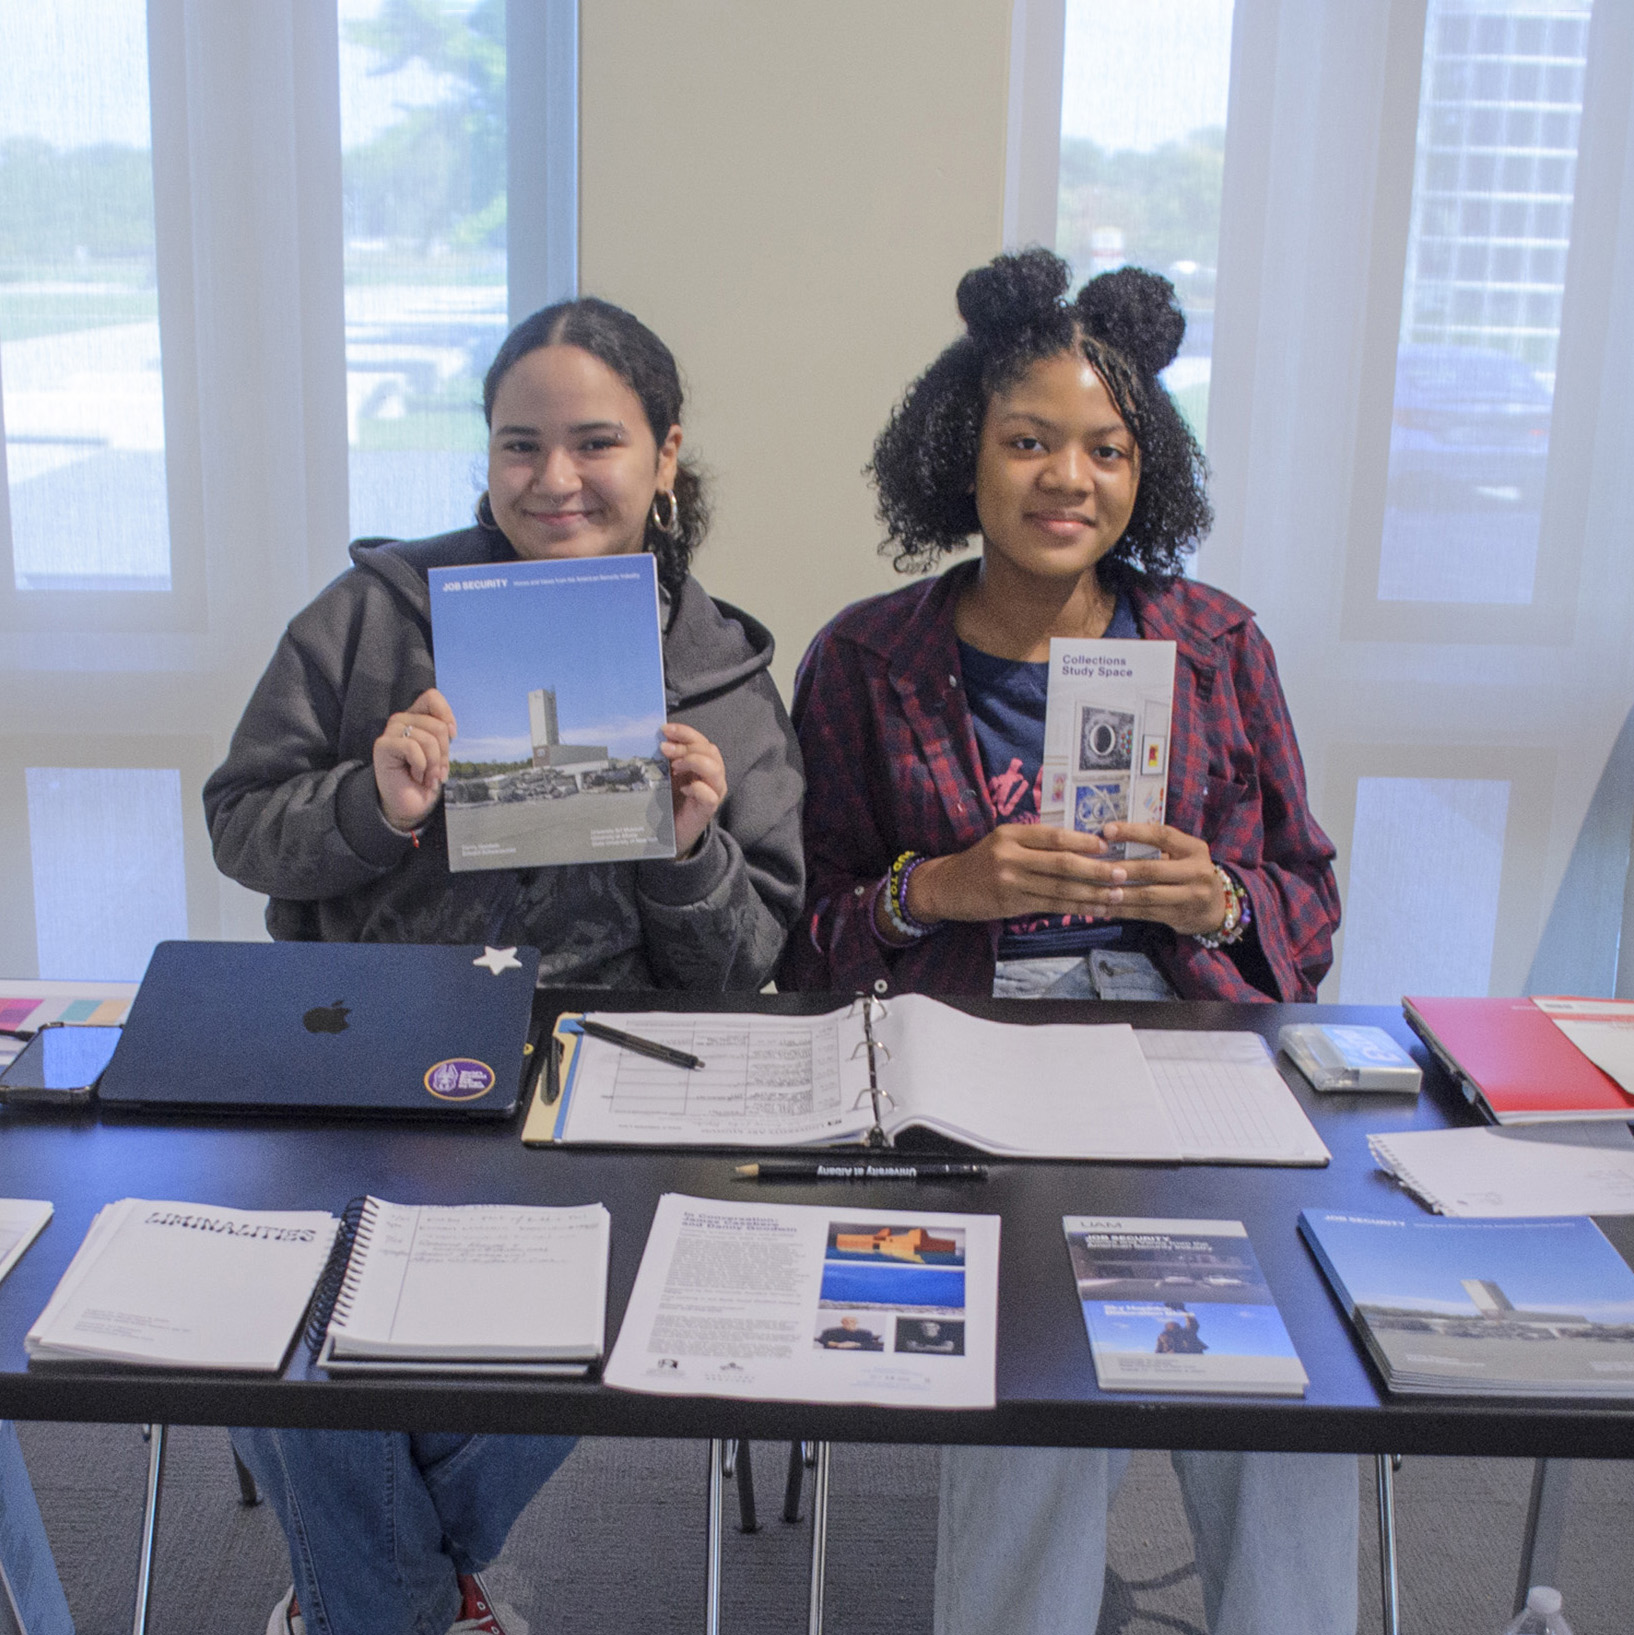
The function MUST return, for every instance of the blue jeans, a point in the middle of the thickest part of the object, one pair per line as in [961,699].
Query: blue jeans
[1021,1542]
[379,1523]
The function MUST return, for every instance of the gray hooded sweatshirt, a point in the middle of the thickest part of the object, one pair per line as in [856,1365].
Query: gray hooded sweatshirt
[293,811]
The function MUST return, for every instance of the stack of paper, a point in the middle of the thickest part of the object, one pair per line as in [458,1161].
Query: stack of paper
[1483,1307]
[475,1288]
[178,1285]
[1492,1173]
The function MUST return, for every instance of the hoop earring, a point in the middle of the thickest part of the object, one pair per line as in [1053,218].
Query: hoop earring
[485,514]
[672,526]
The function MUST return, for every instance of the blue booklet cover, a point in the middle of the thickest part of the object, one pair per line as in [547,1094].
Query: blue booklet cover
[1178,1305]
[555,673]
[1483,1307]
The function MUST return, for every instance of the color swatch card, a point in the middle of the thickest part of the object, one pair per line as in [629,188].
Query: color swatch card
[1176,1305]
[555,674]
[1106,735]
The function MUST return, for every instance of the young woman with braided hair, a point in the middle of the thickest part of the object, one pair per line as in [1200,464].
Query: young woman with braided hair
[1046,431]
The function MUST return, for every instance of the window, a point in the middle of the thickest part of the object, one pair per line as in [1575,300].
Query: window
[423,142]
[80,386]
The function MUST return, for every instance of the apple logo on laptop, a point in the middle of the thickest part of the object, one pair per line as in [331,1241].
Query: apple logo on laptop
[326,1018]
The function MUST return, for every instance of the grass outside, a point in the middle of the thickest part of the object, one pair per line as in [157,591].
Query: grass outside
[28,314]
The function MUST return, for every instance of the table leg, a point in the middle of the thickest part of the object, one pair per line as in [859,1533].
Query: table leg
[748,1522]
[794,1481]
[1545,1527]
[155,1437]
[819,1540]
[1385,1467]
[712,1580]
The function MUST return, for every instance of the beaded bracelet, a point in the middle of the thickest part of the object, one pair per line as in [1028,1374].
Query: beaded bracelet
[892,891]
[1239,914]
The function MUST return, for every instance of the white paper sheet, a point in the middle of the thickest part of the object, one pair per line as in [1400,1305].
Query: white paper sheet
[1603,1029]
[1226,1100]
[1480,1172]
[813,1303]
[479,1282]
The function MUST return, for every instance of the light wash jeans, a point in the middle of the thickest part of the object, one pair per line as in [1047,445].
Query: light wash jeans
[1021,1543]
[379,1522]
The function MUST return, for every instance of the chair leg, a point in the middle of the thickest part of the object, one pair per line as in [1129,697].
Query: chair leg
[712,1575]
[1545,1527]
[154,1435]
[747,1522]
[819,1541]
[248,1492]
[793,1483]
[1385,1466]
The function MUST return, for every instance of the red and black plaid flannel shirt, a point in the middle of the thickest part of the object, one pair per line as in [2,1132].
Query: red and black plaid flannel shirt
[892,766]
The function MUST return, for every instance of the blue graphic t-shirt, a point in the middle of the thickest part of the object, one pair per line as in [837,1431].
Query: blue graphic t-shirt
[1006,698]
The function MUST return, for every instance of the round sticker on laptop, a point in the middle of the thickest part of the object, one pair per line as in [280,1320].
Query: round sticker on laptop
[460,1079]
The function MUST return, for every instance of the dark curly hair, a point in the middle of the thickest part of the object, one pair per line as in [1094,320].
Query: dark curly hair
[647,367]
[1127,324]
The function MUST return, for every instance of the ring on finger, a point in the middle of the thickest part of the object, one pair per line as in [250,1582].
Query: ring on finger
[408,731]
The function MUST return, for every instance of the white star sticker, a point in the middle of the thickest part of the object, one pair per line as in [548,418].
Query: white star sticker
[498,959]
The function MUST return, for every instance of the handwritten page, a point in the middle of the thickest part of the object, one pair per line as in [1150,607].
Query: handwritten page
[1226,1100]
[766,1081]
[487,1282]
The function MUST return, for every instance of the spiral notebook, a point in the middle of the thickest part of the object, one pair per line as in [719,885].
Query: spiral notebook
[464,1289]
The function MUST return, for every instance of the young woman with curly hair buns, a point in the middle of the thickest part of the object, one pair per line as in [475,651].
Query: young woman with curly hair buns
[1046,432]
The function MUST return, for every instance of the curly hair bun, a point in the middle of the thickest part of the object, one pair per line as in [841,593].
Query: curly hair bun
[1012,293]
[1136,312]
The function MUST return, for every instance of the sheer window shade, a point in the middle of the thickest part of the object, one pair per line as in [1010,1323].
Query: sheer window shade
[1413,186]
[248,296]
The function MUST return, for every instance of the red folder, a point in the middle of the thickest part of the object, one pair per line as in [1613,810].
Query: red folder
[1514,1063]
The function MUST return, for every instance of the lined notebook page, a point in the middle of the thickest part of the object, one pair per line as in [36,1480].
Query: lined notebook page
[1226,1100]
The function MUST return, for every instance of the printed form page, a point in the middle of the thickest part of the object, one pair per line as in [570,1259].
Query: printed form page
[813,1303]
[1227,1101]
[767,1081]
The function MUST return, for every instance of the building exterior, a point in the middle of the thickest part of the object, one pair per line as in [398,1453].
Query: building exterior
[548,749]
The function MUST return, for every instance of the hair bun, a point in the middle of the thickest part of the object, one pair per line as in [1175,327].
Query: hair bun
[1138,313]
[1013,292]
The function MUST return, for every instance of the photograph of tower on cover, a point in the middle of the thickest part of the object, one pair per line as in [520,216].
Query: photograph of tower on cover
[881,1281]
[555,673]
[1106,736]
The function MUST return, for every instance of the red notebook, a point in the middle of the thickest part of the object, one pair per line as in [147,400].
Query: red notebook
[1514,1063]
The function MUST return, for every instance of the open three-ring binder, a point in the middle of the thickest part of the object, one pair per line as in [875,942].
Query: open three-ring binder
[864,1073]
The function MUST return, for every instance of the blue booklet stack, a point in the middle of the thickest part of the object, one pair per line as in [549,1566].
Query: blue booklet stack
[1536,1307]
[555,674]
[1175,1305]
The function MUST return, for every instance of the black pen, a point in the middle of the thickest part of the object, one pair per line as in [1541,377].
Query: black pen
[642,1047]
[818,1169]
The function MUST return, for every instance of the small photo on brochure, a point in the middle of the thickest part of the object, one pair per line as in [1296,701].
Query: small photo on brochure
[870,1266]
[1174,1330]
[849,1332]
[930,1337]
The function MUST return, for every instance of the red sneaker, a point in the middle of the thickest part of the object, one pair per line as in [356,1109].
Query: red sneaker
[481,1616]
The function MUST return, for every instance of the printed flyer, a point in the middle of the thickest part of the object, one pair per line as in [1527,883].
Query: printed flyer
[809,1303]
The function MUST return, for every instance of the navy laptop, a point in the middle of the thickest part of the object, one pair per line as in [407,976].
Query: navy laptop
[327,1027]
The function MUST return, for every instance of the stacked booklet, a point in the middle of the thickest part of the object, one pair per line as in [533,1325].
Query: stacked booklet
[179,1285]
[466,1289]
[1540,1307]
[1176,1305]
